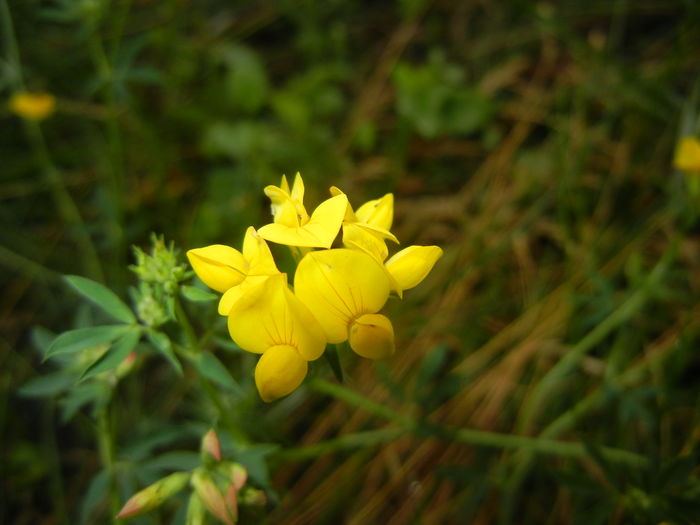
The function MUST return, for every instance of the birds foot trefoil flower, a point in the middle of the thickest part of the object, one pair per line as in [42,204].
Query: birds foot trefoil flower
[337,293]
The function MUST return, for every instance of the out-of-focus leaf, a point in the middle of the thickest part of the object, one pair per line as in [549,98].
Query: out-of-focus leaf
[246,82]
[84,338]
[47,385]
[162,343]
[95,494]
[192,293]
[102,297]
[114,355]
[210,367]
[176,460]
[42,339]
[253,458]
[81,395]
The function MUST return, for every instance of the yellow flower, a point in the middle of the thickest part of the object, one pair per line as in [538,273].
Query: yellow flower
[32,106]
[270,320]
[411,265]
[367,229]
[340,287]
[687,157]
[293,226]
[288,206]
[222,267]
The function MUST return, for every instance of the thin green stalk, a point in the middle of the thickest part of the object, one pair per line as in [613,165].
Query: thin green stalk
[67,207]
[357,440]
[116,169]
[631,306]
[571,449]
[557,374]
[184,320]
[353,398]
[11,48]
[22,264]
[106,450]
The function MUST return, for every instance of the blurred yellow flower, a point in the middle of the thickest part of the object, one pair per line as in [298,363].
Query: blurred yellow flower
[292,226]
[32,106]
[687,156]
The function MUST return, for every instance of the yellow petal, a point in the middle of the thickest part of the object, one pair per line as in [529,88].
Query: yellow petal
[338,285]
[377,212]
[284,185]
[297,193]
[319,232]
[359,238]
[269,314]
[279,372]
[281,206]
[257,254]
[247,288]
[372,336]
[349,214]
[411,265]
[219,267]
[687,155]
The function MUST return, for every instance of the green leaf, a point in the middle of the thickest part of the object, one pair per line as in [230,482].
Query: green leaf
[210,367]
[42,338]
[114,355]
[254,459]
[331,355]
[95,494]
[84,338]
[95,392]
[102,297]
[47,385]
[192,293]
[175,460]
[165,347]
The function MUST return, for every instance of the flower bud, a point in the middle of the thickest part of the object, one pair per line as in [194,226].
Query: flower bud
[253,497]
[211,445]
[372,336]
[224,507]
[153,495]
[195,511]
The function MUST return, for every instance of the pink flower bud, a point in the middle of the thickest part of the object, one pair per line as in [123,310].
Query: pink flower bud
[211,445]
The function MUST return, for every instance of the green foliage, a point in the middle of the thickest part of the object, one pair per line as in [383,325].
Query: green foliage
[435,101]
[545,374]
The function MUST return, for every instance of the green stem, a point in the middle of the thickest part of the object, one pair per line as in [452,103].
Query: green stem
[631,306]
[557,374]
[184,320]
[115,181]
[356,440]
[11,47]
[531,445]
[67,208]
[106,450]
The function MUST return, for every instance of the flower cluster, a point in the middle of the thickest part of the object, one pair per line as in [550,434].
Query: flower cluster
[337,292]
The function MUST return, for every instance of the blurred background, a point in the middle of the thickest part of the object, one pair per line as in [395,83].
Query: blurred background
[532,141]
